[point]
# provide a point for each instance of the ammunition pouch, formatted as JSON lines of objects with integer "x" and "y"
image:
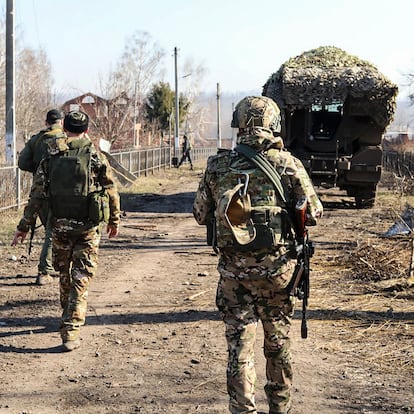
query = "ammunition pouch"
{"x": 273, "y": 229}
{"x": 265, "y": 238}
{"x": 99, "y": 207}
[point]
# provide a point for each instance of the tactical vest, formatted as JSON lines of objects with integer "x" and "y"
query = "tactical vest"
{"x": 37, "y": 148}
{"x": 268, "y": 214}
{"x": 74, "y": 192}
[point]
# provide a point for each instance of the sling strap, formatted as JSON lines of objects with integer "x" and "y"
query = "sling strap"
{"x": 260, "y": 161}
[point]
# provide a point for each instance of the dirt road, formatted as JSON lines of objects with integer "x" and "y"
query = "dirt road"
{"x": 154, "y": 343}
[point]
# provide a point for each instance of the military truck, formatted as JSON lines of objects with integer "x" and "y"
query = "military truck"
{"x": 335, "y": 108}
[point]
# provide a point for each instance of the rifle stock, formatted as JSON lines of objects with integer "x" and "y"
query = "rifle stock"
{"x": 300, "y": 219}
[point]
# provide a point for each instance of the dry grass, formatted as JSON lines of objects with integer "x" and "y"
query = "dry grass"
{"x": 360, "y": 293}
{"x": 161, "y": 180}
{"x": 377, "y": 261}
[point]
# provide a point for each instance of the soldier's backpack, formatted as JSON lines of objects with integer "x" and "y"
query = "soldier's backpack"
{"x": 73, "y": 187}
{"x": 250, "y": 213}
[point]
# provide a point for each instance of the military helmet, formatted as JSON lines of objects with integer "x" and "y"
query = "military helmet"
{"x": 257, "y": 111}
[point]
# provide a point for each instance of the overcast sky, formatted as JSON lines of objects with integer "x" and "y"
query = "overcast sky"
{"x": 239, "y": 42}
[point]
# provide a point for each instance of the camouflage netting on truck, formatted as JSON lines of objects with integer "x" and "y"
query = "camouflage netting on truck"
{"x": 328, "y": 74}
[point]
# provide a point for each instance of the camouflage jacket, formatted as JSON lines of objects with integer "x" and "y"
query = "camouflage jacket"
{"x": 295, "y": 180}
{"x": 38, "y": 192}
{"x": 37, "y": 148}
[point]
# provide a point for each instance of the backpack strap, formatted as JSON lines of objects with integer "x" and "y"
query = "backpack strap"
{"x": 261, "y": 162}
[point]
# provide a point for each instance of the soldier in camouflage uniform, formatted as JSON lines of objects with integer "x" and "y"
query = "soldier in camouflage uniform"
{"x": 76, "y": 227}
{"x": 255, "y": 242}
{"x": 29, "y": 159}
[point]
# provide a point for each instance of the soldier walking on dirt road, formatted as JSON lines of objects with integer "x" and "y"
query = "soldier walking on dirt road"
{"x": 29, "y": 159}
{"x": 248, "y": 216}
{"x": 81, "y": 192}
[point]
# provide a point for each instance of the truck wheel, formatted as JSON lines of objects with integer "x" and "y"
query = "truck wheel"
{"x": 365, "y": 200}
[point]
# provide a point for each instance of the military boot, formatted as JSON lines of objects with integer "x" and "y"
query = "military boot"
{"x": 43, "y": 279}
{"x": 70, "y": 339}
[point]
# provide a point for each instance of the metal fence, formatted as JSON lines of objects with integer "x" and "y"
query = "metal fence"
{"x": 140, "y": 162}
{"x": 14, "y": 187}
{"x": 15, "y": 184}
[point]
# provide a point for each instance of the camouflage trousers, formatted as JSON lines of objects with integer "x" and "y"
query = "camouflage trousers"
{"x": 242, "y": 303}
{"x": 75, "y": 256}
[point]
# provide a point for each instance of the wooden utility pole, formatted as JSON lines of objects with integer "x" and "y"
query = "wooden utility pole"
{"x": 177, "y": 107}
{"x": 10, "y": 89}
{"x": 218, "y": 117}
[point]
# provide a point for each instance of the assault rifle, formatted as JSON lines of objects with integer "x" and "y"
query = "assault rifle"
{"x": 299, "y": 284}
{"x": 32, "y": 232}
{"x": 33, "y": 228}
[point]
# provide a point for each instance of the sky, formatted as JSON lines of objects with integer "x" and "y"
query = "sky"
{"x": 240, "y": 43}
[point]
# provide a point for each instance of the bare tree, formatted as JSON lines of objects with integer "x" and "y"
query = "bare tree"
{"x": 33, "y": 91}
{"x": 125, "y": 87}
{"x": 140, "y": 66}
{"x": 403, "y": 118}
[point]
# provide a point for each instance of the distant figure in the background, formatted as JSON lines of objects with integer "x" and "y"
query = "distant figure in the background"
{"x": 29, "y": 159}
{"x": 186, "y": 152}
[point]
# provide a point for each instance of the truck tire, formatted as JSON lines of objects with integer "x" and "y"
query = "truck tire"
{"x": 365, "y": 198}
